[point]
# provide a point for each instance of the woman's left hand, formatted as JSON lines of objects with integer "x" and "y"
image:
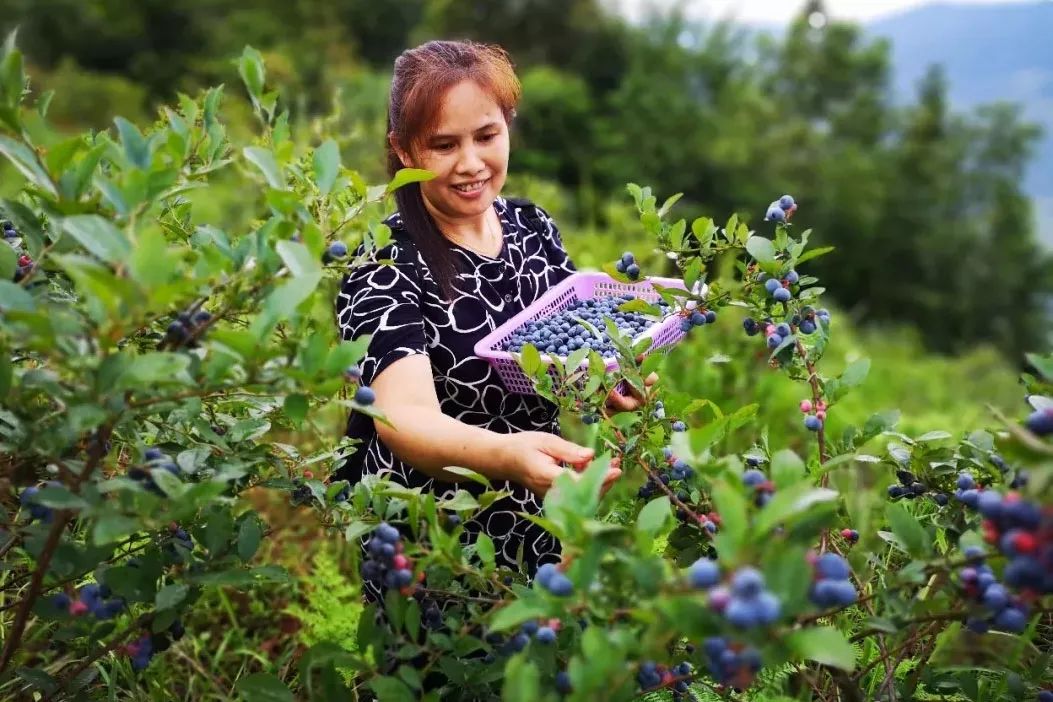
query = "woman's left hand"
{"x": 616, "y": 402}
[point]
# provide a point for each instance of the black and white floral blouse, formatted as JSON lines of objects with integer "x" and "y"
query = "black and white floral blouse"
{"x": 400, "y": 305}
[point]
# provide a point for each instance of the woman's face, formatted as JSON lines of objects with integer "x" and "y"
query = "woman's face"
{"x": 469, "y": 148}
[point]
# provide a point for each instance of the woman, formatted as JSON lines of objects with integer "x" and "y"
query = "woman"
{"x": 465, "y": 261}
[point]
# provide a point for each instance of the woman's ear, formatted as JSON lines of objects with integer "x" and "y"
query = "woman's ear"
{"x": 404, "y": 157}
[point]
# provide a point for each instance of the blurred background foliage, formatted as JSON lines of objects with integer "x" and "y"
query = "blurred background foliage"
{"x": 937, "y": 274}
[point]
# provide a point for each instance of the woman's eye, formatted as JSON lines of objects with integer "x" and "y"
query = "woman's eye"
{"x": 488, "y": 137}
{"x": 443, "y": 147}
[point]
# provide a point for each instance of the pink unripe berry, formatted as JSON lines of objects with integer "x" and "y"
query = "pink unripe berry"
{"x": 719, "y": 597}
{"x": 400, "y": 562}
{"x": 806, "y": 406}
{"x": 769, "y": 330}
{"x": 77, "y": 608}
{"x": 821, "y": 406}
{"x": 821, "y": 415}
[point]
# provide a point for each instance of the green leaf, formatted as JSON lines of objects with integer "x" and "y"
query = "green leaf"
{"x": 654, "y": 515}
{"x": 14, "y": 297}
{"x": 484, "y": 547}
{"x": 468, "y": 473}
{"x": 517, "y": 612}
{"x": 249, "y": 536}
{"x": 27, "y": 164}
{"x": 8, "y": 262}
{"x": 814, "y": 253}
{"x": 136, "y": 148}
{"x": 252, "y": 72}
{"x": 824, "y": 645}
{"x": 264, "y": 160}
{"x": 1044, "y": 365}
{"x": 155, "y": 367}
{"x": 112, "y": 527}
{"x": 790, "y": 502}
{"x": 761, "y": 249}
{"x": 908, "y": 530}
{"x": 326, "y": 165}
{"x": 150, "y": 263}
{"x": 99, "y": 237}
{"x": 171, "y": 596}
{"x": 297, "y": 258}
{"x": 296, "y": 407}
{"x": 731, "y": 506}
{"x": 407, "y": 176}
{"x": 263, "y": 687}
{"x": 522, "y": 681}
{"x": 391, "y": 690}
{"x": 283, "y": 301}
{"x": 856, "y": 373}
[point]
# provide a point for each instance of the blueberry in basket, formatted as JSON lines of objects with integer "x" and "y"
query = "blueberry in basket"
{"x": 563, "y": 333}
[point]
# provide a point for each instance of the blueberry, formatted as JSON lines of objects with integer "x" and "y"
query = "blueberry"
{"x": 807, "y": 327}
{"x": 774, "y": 340}
{"x": 771, "y": 285}
{"x": 768, "y": 608}
{"x": 546, "y": 635}
{"x": 704, "y": 574}
{"x": 833, "y": 567}
{"x": 679, "y": 426}
{"x": 976, "y": 625}
{"x": 1040, "y": 422}
{"x": 813, "y": 423}
{"x": 775, "y": 214}
{"x": 337, "y": 249}
{"x": 620, "y": 267}
{"x": 1011, "y": 619}
{"x": 364, "y": 395}
{"x": 965, "y": 481}
{"x": 753, "y": 477}
{"x": 792, "y": 278}
{"x": 995, "y": 597}
{"x": 970, "y": 497}
{"x": 711, "y": 316}
{"x": 786, "y": 202}
{"x": 529, "y": 628}
{"x": 782, "y": 295}
{"x": 742, "y": 613}
{"x": 563, "y": 682}
{"x": 747, "y": 582}
{"x": 387, "y": 533}
{"x": 560, "y": 585}
{"x": 627, "y": 258}
{"x": 783, "y": 330}
{"x": 941, "y": 498}
{"x": 353, "y": 373}
{"x": 633, "y": 271}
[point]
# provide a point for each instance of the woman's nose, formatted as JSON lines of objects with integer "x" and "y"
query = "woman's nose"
{"x": 470, "y": 162}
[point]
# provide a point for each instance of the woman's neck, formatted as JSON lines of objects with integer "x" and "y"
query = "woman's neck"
{"x": 472, "y": 230}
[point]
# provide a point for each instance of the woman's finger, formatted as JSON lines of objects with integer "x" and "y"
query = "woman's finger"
{"x": 621, "y": 403}
{"x": 651, "y": 379}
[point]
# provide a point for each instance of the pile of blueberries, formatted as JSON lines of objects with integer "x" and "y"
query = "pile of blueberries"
{"x": 386, "y": 565}
{"x": 25, "y": 263}
{"x": 763, "y": 489}
{"x": 552, "y": 579}
{"x": 651, "y": 676}
{"x": 28, "y": 499}
{"x": 148, "y": 645}
{"x": 832, "y": 586}
{"x": 910, "y": 487}
{"x": 745, "y": 602}
{"x": 93, "y": 599}
{"x": 627, "y": 265}
{"x": 734, "y": 665}
{"x": 561, "y": 334}
{"x": 155, "y": 458}
{"x": 185, "y": 329}
{"x": 1020, "y": 529}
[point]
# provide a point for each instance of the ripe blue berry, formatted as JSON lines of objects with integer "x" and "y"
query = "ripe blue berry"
{"x": 704, "y": 574}
{"x": 792, "y": 278}
{"x": 620, "y": 267}
{"x": 783, "y": 330}
{"x": 1040, "y": 422}
{"x": 807, "y": 327}
{"x": 628, "y": 258}
{"x": 337, "y": 249}
{"x": 965, "y": 481}
{"x": 771, "y": 285}
{"x": 832, "y": 566}
{"x": 563, "y": 682}
{"x": 1011, "y": 619}
{"x": 633, "y": 271}
{"x": 775, "y": 214}
{"x": 813, "y": 423}
{"x": 679, "y": 426}
{"x": 364, "y": 395}
{"x": 747, "y": 582}
{"x": 711, "y": 316}
{"x": 546, "y": 635}
{"x": 774, "y": 340}
{"x": 753, "y": 477}
{"x": 353, "y": 373}
{"x": 786, "y": 202}
{"x": 387, "y": 533}
{"x": 782, "y": 295}
{"x": 742, "y": 613}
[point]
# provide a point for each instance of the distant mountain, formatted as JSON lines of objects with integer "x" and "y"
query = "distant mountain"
{"x": 989, "y": 52}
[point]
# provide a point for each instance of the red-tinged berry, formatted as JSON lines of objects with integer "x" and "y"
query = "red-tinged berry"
{"x": 820, "y": 406}
{"x": 78, "y": 608}
{"x": 24, "y": 260}
{"x": 1024, "y": 542}
{"x": 400, "y": 562}
{"x": 820, "y": 415}
{"x": 308, "y": 475}
{"x": 806, "y": 406}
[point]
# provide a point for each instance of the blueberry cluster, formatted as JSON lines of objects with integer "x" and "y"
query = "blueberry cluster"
{"x": 763, "y": 489}
{"x": 386, "y": 565}
{"x": 561, "y": 333}
{"x": 651, "y": 676}
{"x": 813, "y": 422}
{"x": 627, "y": 265}
{"x": 1022, "y": 531}
{"x": 778, "y": 288}
{"x": 179, "y": 547}
{"x": 93, "y": 599}
{"x": 155, "y": 459}
{"x": 745, "y": 603}
{"x": 144, "y": 648}
{"x": 909, "y": 486}
{"x": 186, "y": 328}
{"x": 551, "y": 578}
{"x": 28, "y": 499}
{"x": 25, "y": 263}
{"x": 301, "y": 494}
{"x": 831, "y": 586}
{"x": 334, "y": 252}
{"x": 780, "y": 210}
{"x": 1041, "y": 421}
{"x": 1002, "y": 610}
{"x": 732, "y": 664}
{"x": 697, "y": 318}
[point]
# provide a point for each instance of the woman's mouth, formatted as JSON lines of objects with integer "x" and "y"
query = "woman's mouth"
{"x": 470, "y": 188}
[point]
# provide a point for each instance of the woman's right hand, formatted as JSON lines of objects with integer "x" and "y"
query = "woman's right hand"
{"x": 532, "y": 459}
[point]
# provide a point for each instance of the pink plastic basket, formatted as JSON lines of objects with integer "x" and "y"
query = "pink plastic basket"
{"x": 577, "y": 287}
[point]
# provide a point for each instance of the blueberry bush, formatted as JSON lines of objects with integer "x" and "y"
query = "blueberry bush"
{"x": 154, "y": 368}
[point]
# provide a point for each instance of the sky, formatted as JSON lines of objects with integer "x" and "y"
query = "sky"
{"x": 781, "y": 11}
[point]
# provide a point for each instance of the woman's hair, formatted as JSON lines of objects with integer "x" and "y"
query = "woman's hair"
{"x": 423, "y": 76}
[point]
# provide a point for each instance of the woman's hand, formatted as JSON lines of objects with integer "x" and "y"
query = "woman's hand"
{"x": 532, "y": 459}
{"x": 616, "y": 402}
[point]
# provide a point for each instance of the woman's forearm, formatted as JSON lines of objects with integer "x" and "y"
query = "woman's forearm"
{"x": 429, "y": 440}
